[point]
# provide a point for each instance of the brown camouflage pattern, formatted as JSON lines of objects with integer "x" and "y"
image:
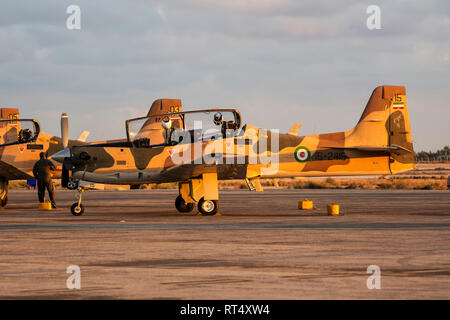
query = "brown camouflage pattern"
{"x": 17, "y": 161}
{"x": 379, "y": 144}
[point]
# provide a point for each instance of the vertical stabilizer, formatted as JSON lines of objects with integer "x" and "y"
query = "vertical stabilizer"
{"x": 385, "y": 124}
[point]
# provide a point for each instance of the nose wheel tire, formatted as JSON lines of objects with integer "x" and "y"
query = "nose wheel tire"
{"x": 182, "y": 206}
{"x": 77, "y": 210}
{"x": 208, "y": 207}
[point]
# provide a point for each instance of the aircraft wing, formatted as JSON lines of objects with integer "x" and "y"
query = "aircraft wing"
{"x": 184, "y": 172}
{"x": 192, "y": 170}
{"x": 10, "y": 172}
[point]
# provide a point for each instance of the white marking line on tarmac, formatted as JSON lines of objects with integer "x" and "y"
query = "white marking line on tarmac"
{"x": 235, "y": 261}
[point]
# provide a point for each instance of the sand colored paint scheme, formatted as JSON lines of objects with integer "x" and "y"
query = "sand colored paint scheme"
{"x": 21, "y": 142}
{"x": 168, "y": 148}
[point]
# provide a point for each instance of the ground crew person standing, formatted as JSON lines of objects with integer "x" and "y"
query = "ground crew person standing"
{"x": 42, "y": 172}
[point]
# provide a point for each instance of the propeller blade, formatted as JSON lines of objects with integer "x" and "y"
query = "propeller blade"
{"x": 65, "y": 130}
{"x": 64, "y": 157}
{"x": 65, "y": 174}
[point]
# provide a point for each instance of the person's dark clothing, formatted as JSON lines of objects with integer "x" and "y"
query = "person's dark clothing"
{"x": 42, "y": 172}
{"x": 42, "y": 185}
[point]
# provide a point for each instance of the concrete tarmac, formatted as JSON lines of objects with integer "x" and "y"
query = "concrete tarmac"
{"x": 135, "y": 245}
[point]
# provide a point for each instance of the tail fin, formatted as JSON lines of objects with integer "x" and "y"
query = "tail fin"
{"x": 9, "y": 130}
{"x": 385, "y": 124}
{"x": 9, "y": 113}
{"x": 161, "y": 106}
{"x": 152, "y": 129}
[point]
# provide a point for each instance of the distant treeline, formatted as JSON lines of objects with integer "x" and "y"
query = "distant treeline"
{"x": 440, "y": 155}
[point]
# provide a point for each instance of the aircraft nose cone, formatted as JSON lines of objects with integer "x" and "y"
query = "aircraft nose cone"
{"x": 60, "y": 155}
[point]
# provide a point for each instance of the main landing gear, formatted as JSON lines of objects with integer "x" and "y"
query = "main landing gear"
{"x": 3, "y": 193}
{"x": 202, "y": 191}
{"x": 206, "y": 207}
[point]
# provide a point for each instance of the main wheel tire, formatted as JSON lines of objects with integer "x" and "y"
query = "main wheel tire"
{"x": 77, "y": 210}
{"x": 72, "y": 184}
{"x": 208, "y": 207}
{"x": 182, "y": 206}
{"x": 4, "y": 202}
{"x": 4, "y": 193}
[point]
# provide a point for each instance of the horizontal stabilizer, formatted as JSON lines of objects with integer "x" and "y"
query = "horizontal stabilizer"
{"x": 295, "y": 129}
{"x": 83, "y": 136}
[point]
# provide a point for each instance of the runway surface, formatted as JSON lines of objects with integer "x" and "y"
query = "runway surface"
{"x": 135, "y": 245}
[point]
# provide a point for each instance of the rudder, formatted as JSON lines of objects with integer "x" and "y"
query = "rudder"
{"x": 399, "y": 129}
{"x": 385, "y": 124}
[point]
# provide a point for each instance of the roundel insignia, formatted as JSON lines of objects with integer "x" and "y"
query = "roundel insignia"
{"x": 302, "y": 154}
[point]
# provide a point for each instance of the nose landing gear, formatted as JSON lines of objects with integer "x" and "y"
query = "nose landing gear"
{"x": 77, "y": 209}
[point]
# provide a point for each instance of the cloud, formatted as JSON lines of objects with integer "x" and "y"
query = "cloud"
{"x": 252, "y": 6}
{"x": 130, "y": 112}
{"x": 308, "y": 27}
{"x": 160, "y": 10}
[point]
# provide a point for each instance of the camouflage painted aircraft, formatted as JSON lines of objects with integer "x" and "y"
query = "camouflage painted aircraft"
{"x": 21, "y": 142}
{"x": 198, "y": 148}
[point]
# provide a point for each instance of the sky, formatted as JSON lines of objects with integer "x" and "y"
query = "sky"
{"x": 278, "y": 61}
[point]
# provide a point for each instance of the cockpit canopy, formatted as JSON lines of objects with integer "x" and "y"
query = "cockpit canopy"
{"x": 18, "y": 131}
{"x": 183, "y": 127}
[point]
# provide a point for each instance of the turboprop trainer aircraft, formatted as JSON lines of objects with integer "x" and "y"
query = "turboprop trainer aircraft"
{"x": 198, "y": 148}
{"x": 21, "y": 142}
